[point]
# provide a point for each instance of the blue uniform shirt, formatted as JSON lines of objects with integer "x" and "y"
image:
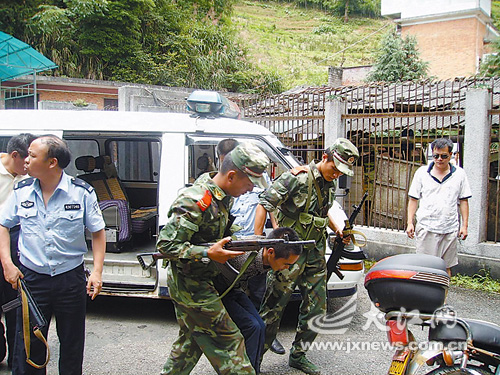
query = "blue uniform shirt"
{"x": 245, "y": 207}
{"x": 52, "y": 238}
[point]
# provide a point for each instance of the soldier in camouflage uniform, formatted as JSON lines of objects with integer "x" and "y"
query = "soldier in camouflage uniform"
{"x": 302, "y": 198}
{"x": 200, "y": 215}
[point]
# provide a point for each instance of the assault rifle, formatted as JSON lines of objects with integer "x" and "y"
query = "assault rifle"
{"x": 38, "y": 318}
{"x": 338, "y": 250}
{"x": 253, "y": 244}
{"x": 37, "y": 323}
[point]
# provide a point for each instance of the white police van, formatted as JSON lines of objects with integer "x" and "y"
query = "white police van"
{"x": 137, "y": 163}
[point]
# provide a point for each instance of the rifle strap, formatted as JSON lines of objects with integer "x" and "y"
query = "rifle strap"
{"x": 318, "y": 190}
{"x": 310, "y": 178}
{"x": 351, "y": 233}
{"x": 222, "y": 229}
{"x": 348, "y": 231}
{"x": 26, "y": 331}
{"x": 249, "y": 260}
{"x": 310, "y": 181}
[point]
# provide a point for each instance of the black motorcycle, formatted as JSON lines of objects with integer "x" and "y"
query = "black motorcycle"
{"x": 411, "y": 290}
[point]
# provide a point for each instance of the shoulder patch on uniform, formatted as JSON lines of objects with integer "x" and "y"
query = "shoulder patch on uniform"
{"x": 205, "y": 201}
{"x": 83, "y": 184}
{"x": 26, "y": 182}
{"x": 27, "y": 204}
{"x": 295, "y": 171}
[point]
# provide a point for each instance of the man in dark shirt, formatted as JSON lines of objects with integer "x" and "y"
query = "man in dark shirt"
{"x": 237, "y": 303}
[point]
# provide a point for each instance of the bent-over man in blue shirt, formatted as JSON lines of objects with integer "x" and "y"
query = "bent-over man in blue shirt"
{"x": 53, "y": 210}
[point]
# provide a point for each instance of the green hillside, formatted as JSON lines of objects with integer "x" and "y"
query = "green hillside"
{"x": 495, "y": 13}
{"x": 300, "y": 44}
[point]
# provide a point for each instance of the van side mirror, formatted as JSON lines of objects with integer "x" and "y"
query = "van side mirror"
{"x": 344, "y": 182}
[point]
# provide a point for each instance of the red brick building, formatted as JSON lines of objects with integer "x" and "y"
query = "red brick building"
{"x": 453, "y": 36}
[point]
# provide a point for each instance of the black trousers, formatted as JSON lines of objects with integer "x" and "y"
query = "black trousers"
{"x": 64, "y": 297}
{"x": 257, "y": 289}
{"x": 7, "y": 293}
{"x": 252, "y": 327}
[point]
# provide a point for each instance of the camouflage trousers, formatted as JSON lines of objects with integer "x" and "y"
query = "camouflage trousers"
{"x": 204, "y": 329}
{"x": 309, "y": 275}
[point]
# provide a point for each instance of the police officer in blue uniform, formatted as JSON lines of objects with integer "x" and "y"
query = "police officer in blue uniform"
{"x": 53, "y": 210}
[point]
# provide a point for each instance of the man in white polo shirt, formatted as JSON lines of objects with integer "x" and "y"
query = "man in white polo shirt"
{"x": 12, "y": 164}
{"x": 441, "y": 192}
{"x": 11, "y": 171}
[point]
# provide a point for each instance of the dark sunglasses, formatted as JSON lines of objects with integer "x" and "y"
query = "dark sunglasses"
{"x": 442, "y": 156}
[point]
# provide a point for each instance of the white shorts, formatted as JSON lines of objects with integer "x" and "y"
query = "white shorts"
{"x": 437, "y": 244}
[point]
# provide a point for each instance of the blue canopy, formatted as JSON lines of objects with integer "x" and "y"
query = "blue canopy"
{"x": 18, "y": 58}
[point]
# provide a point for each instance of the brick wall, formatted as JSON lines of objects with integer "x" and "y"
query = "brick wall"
{"x": 452, "y": 48}
{"x": 62, "y": 96}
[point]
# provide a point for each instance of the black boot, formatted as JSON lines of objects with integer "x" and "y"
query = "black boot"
{"x": 276, "y": 347}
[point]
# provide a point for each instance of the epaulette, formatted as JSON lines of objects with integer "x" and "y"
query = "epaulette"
{"x": 83, "y": 184}
{"x": 303, "y": 168}
{"x": 205, "y": 201}
{"x": 26, "y": 182}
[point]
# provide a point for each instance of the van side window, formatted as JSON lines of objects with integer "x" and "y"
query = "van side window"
{"x": 201, "y": 160}
{"x": 135, "y": 160}
{"x": 80, "y": 147}
{"x": 3, "y": 143}
{"x": 202, "y": 155}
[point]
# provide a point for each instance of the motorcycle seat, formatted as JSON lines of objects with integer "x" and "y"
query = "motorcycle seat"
{"x": 485, "y": 335}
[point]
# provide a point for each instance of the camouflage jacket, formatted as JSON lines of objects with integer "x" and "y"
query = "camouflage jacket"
{"x": 288, "y": 194}
{"x": 198, "y": 215}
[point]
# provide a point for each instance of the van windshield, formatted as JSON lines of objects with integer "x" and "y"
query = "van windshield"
{"x": 202, "y": 155}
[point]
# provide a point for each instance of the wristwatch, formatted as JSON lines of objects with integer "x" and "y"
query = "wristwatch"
{"x": 204, "y": 256}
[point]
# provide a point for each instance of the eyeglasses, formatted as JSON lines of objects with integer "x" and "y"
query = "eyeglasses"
{"x": 442, "y": 156}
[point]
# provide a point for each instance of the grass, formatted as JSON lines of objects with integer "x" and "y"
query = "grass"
{"x": 300, "y": 44}
{"x": 481, "y": 281}
{"x": 369, "y": 264}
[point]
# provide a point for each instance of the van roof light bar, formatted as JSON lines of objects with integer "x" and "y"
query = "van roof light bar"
{"x": 211, "y": 104}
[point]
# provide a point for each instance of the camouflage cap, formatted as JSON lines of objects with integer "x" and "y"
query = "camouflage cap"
{"x": 252, "y": 161}
{"x": 345, "y": 155}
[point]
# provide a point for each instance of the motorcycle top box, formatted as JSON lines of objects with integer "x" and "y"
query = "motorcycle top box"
{"x": 410, "y": 281}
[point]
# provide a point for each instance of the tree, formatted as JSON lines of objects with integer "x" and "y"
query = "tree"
{"x": 13, "y": 15}
{"x": 490, "y": 66}
{"x": 162, "y": 42}
{"x": 364, "y": 8}
{"x": 369, "y": 8}
{"x": 398, "y": 60}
